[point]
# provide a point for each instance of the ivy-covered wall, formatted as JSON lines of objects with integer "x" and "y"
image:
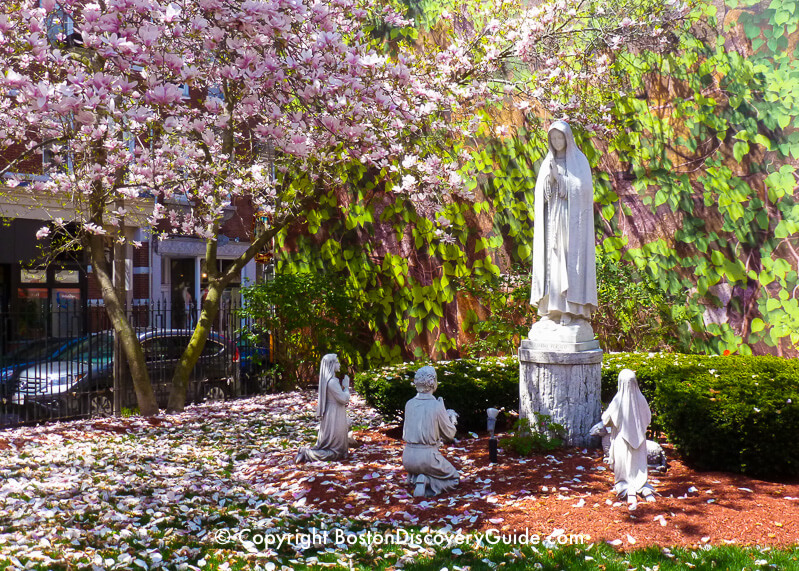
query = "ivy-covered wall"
{"x": 705, "y": 175}
{"x": 699, "y": 190}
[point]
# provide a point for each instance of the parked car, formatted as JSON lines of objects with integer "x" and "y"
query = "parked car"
{"x": 27, "y": 355}
{"x": 31, "y": 351}
{"x": 78, "y": 381}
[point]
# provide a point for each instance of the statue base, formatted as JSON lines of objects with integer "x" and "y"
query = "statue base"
{"x": 562, "y": 380}
{"x": 577, "y": 330}
{"x": 555, "y": 347}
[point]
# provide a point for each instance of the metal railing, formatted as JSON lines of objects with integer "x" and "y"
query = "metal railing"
{"x": 59, "y": 363}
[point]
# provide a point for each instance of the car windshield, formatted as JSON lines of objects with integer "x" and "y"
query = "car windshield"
{"x": 97, "y": 348}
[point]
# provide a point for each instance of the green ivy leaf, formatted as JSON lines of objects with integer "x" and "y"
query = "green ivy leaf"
{"x": 739, "y": 150}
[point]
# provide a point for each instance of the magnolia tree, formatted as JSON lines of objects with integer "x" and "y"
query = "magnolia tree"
{"x": 148, "y": 104}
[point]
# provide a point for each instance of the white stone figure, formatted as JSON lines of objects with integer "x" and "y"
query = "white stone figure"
{"x": 332, "y": 441}
{"x": 656, "y": 460}
{"x": 427, "y": 423}
{"x": 628, "y": 417}
{"x": 564, "y": 260}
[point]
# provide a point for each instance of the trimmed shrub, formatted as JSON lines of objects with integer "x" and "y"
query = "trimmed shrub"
{"x": 468, "y": 386}
{"x": 741, "y": 416}
{"x": 649, "y": 369}
{"x": 736, "y": 413}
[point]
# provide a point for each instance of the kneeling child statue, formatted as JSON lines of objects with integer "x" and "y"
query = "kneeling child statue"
{"x": 628, "y": 417}
{"x": 427, "y": 423}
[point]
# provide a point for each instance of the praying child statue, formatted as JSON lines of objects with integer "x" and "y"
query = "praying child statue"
{"x": 332, "y": 442}
{"x": 628, "y": 417}
{"x": 427, "y": 423}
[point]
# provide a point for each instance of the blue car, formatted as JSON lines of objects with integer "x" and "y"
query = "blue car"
{"x": 79, "y": 379}
{"x": 24, "y": 357}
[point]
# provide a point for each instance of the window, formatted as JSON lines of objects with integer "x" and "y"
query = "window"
{"x": 61, "y": 28}
{"x": 222, "y": 267}
{"x": 157, "y": 349}
{"x": 177, "y": 345}
{"x": 33, "y": 276}
{"x": 215, "y": 92}
{"x": 49, "y": 301}
{"x": 55, "y": 158}
{"x": 67, "y": 276}
{"x": 98, "y": 348}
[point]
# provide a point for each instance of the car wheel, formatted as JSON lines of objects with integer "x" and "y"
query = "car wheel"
{"x": 214, "y": 393}
{"x": 100, "y": 405}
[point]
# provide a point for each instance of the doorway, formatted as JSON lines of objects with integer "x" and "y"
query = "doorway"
{"x": 183, "y": 288}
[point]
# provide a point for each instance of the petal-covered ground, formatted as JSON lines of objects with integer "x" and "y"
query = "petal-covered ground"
{"x": 217, "y": 483}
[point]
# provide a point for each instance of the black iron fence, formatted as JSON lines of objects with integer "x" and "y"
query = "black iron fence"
{"x": 62, "y": 363}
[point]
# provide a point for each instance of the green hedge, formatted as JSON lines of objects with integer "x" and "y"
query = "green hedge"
{"x": 736, "y": 413}
{"x": 468, "y": 386}
{"x": 649, "y": 368}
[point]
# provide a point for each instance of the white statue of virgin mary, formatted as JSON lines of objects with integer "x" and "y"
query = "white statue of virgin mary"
{"x": 564, "y": 260}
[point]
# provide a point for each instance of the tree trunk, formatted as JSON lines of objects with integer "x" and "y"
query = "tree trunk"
{"x": 210, "y": 308}
{"x": 180, "y": 378}
{"x": 122, "y": 378}
{"x": 125, "y": 335}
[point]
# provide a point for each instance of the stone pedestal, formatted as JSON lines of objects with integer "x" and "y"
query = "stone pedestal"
{"x": 564, "y": 381}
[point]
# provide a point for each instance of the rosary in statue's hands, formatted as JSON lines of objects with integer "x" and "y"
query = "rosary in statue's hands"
{"x": 560, "y": 180}
{"x": 551, "y": 185}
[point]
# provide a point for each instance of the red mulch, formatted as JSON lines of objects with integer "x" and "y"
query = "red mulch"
{"x": 567, "y": 490}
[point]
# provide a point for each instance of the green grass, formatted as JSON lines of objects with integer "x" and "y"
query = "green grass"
{"x": 599, "y": 557}
{"x": 507, "y": 557}
{"x": 604, "y": 557}
{"x": 363, "y": 555}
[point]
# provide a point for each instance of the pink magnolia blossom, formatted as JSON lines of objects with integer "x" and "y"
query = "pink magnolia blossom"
{"x": 303, "y": 77}
{"x": 165, "y": 94}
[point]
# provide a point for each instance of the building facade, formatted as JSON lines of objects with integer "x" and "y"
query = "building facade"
{"x": 41, "y": 294}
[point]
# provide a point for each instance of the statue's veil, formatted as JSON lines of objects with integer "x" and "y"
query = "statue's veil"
{"x": 326, "y": 370}
{"x": 581, "y": 271}
{"x": 629, "y": 410}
